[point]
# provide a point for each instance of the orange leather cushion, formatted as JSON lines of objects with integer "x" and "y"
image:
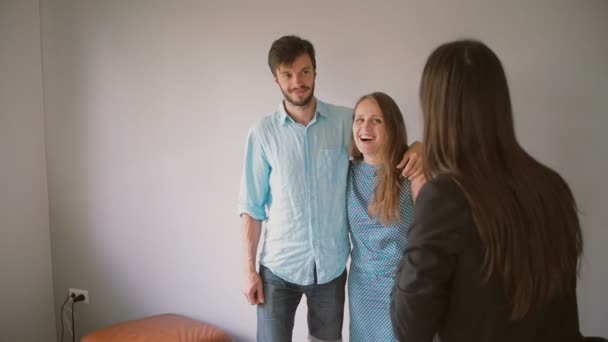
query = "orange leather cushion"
{"x": 165, "y": 328}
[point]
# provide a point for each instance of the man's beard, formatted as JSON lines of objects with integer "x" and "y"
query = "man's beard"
{"x": 305, "y": 101}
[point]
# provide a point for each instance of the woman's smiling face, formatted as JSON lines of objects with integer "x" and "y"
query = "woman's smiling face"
{"x": 369, "y": 130}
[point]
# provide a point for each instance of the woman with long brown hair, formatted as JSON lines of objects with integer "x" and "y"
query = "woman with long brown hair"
{"x": 380, "y": 206}
{"x": 495, "y": 245}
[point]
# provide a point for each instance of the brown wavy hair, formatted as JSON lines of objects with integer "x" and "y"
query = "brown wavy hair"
{"x": 385, "y": 204}
{"x": 286, "y": 49}
{"x": 524, "y": 211}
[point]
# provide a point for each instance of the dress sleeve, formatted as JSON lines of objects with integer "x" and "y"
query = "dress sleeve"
{"x": 420, "y": 296}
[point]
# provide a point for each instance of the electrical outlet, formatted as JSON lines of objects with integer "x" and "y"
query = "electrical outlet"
{"x": 77, "y": 292}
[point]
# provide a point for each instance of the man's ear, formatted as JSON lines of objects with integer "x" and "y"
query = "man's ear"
{"x": 276, "y": 80}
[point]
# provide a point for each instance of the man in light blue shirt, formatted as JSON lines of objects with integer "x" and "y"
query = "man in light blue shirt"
{"x": 294, "y": 178}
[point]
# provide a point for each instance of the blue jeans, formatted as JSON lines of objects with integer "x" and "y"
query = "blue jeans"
{"x": 281, "y": 298}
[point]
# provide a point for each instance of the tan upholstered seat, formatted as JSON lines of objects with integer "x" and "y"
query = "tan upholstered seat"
{"x": 162, "y": 328}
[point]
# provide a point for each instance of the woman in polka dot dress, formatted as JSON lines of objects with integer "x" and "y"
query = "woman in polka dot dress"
{"x": 380, "y": 208}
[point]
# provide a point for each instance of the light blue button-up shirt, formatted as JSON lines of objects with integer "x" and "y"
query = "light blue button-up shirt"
{"x": 294, "y": 179}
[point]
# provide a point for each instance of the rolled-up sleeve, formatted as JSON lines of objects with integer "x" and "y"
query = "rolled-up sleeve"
{"x": 420, "y": 296}
{"x": 253, "y": 194}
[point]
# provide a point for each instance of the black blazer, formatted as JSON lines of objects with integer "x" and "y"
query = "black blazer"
{"x": 439, "y": 291}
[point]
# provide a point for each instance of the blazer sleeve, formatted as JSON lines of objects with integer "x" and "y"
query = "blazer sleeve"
{"x": 420, "y": 296}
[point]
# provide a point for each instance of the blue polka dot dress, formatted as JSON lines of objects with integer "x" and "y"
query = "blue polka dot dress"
{"x": 376, "y": 252}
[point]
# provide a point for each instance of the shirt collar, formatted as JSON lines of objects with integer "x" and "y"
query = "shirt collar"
{"x": 284, "y": 117}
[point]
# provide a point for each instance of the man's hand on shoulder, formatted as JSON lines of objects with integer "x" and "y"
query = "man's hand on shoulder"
{"x": 412, "y": 162}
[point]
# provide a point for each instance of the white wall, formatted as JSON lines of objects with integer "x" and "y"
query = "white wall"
{"x": 26, "y": 295}
{"x": 148, "y": 104}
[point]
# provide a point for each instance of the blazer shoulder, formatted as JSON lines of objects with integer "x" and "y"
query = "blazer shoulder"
{"x": 442, "y": 216}
{"x": 442, "y": 189}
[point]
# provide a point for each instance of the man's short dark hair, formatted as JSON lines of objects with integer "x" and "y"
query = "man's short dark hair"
{"x": 286, "y": 49}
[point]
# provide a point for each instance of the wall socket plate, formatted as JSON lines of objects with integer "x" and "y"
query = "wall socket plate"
{"x": 78, "y": 292}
